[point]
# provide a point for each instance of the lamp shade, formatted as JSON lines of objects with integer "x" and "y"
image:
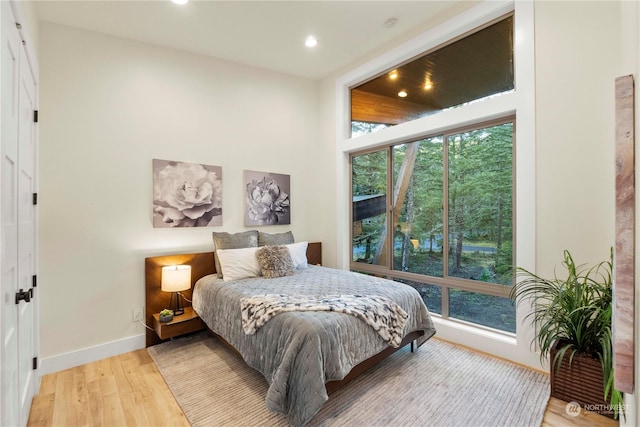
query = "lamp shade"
{"x": 176, "y": 278}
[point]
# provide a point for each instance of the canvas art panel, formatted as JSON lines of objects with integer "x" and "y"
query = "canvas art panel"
{"x": 624, "y": 259}
{"x": 267, "y": 198}
{"x": 186, "y": 194}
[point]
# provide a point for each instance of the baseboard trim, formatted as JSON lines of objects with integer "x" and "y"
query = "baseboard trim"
{"x": 90, "y": 354}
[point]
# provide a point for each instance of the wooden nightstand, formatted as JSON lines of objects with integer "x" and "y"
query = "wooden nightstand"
{"x": 180, "y": 325}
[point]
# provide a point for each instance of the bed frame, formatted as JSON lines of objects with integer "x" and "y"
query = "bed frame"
{"x": 202, "y": 264}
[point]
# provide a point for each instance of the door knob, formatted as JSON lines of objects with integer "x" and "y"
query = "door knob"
{"x": 23, "y": 295}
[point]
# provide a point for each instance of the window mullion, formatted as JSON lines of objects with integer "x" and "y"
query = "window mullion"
{"x": 390, "y": 208}
{"x": 445, "y": 207}
{"x": 445, "y": 302}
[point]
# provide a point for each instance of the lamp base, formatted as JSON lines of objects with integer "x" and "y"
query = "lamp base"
{"x": 176, "y": 304}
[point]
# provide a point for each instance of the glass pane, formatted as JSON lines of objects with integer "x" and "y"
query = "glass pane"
{"x": 431, "y": 294}
{"x": 475, "y": 67}
{"x": 362, "y": 128}
{"x": 369, "y": 189}
{"x": 480, "y": 204}
{"x": 417, "y": 168}
{"x": 488, "y": 310}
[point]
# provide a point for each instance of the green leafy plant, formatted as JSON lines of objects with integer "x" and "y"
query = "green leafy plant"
{"x": 575, "y": 312}
{"x": 166, "y": 312}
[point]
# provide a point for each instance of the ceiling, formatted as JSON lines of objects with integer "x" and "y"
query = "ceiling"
{"x": 475, "y": 66}
{"x": 265, "y": 34}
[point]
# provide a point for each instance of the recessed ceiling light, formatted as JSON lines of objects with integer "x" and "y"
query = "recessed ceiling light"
{"x": 180, "y": 1}
{"x": 393, "y": 75}
{"x": 402, "y": 94}
{"x": 310, "y": 41}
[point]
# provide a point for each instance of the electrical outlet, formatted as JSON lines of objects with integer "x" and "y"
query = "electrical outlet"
{"x": 138, "y": 314}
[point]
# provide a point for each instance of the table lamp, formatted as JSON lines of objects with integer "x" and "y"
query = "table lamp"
{"x": 176, "y": 278}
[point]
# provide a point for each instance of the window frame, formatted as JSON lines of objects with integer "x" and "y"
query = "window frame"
{"x": 520, "y": 102}
{"x": 446, "y": 282}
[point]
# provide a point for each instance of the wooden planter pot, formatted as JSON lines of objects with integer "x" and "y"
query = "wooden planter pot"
{"x": 581, "y": 382}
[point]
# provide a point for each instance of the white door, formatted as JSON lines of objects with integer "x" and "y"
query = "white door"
{"x": 17, "y": 215}
{"x": 26, "y": 238}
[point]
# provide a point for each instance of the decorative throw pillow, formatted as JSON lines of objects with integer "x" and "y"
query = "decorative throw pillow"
{"x": 238, "y": 263}
{"x": 266, "y": 239}
{"x": 222, "y": 240}
{"x": 275, "y": 261}
{"x": 298, "y": 252}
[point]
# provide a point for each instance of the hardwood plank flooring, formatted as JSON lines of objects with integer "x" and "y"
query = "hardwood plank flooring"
{"x": 124, "y": 390}
{"x": 128, "y": 390}
{"x": 556, "y": 416}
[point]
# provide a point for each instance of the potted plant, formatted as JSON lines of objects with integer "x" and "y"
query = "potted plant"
{"x": 166, "y": 315}
{"x": 572, "y": 317}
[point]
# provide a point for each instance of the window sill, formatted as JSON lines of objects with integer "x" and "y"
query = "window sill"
{"x": 501, "y": 345}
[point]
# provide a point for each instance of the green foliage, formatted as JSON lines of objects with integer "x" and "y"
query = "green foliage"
{"x": 575, "y": 312}
{"x": 166, "y": 312}
{"x": 479, "y": 165}
{"x": 369, "y": 174}
{"x": 486, "y": 275}
{"x": 504, "y": 259}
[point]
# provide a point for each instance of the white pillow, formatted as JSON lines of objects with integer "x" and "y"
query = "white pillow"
{"x": 238, "y": 263}
{"x": 298, "y": 253}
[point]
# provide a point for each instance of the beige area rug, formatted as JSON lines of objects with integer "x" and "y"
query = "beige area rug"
{"x": 439, "y": 385}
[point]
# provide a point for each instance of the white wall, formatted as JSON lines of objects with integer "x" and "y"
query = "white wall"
{"x": 110, "y": 106}
{"x": 576, "y": 67}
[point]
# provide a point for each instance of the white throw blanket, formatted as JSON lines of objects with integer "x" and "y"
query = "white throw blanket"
{"x": 383, "y": 315}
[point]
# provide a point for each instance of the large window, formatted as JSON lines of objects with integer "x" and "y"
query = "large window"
{"x": 436, "y": 211}
{"x": 447, "y": 230}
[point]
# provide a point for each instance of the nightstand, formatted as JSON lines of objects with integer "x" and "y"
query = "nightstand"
{"x": 180, "y": 325}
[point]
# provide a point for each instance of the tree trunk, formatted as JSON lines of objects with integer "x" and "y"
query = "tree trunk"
{"x": 399, "y": 194}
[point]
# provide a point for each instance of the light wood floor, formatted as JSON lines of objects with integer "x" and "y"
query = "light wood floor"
{"x": 128, "y": 390}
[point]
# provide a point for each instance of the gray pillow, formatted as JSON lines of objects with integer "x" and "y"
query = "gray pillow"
{"x": 222, "y": 240}
{"x": 266, "y": 239}
{"x": 275, "y": 261}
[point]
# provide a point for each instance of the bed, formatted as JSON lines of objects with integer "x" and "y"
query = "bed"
{"x": 304, "y": 355}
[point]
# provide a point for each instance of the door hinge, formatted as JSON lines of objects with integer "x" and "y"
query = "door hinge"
{"x": 34, "y": 281}
{"x": 35, "y": 363}
{"x": 35, "y": 116}
{"x": 35, "y": 198}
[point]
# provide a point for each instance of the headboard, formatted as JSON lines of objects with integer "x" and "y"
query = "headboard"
{"x": 201, "y": 264}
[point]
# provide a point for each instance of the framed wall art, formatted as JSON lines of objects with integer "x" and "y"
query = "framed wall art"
{"x": 186, "y": 194}
{"x": 267, "y": 198}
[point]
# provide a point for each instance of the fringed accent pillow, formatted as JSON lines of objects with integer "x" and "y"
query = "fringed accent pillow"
{"x": 275, "y": 261}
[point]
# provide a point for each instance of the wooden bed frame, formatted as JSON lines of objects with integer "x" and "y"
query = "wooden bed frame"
{"x": 202, "y": 264}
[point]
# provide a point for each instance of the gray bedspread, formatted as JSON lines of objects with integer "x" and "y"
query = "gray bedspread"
{"x": 298, "y": 352}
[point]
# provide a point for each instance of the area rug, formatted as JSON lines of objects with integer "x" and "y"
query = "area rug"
{"x": 440, "y": 385}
